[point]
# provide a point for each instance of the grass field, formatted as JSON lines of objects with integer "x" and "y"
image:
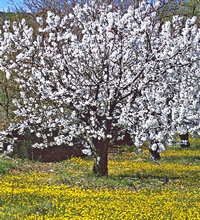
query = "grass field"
{"x": 135, "y": 188}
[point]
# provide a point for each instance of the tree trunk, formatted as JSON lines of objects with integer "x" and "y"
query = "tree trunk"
{"x": 154, "y": 155}
{"x": 154, "y": 151}
{"x": 101, "y": 158}
{"x": 184, "y": 140}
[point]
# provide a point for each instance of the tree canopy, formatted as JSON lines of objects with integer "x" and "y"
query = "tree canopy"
{"x": 97, "y": 73}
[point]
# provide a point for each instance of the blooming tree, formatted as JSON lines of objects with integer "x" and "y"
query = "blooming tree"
{"x": 97, "y": 73}
{"x": 170, "y": 104}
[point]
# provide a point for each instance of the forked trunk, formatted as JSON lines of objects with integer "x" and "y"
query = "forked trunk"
{"x": 101, "y": 158}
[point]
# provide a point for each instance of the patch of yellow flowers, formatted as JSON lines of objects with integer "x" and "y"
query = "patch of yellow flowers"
{"x": 39, "y": 196}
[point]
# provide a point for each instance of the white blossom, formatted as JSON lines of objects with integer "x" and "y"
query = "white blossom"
{"x": 107, "y": 75}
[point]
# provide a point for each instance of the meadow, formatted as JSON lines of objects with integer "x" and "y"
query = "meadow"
{"x": 136, "y": 188}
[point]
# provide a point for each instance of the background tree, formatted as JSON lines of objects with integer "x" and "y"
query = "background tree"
{"x": 187, "y": 9}
{"x": 184, "y": 8}
{"x": 8, "y": 88}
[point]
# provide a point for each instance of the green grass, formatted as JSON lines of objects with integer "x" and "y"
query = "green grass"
{"x": 5, "y": 165}
{"x": 125, "y": 169}
{"x": 70, "y": 190}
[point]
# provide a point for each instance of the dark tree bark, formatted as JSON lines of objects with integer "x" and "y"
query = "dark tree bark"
{"x": 101, "y": 158}
{"x": 184, "y": 140}
{"x": 154, "y": 155}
